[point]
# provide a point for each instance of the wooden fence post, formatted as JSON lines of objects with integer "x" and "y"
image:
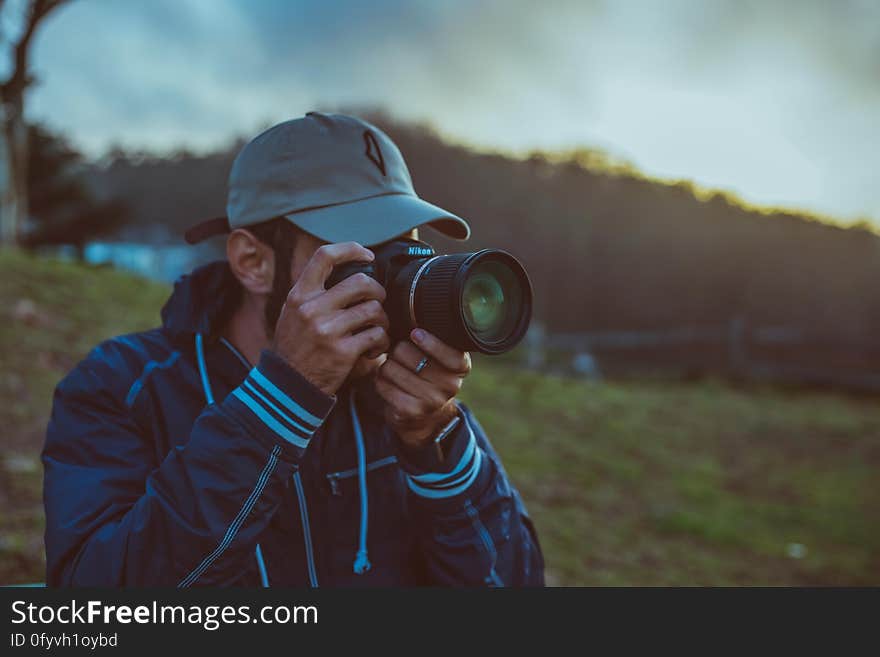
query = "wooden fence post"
{"x": 535, "y": 354}
{"x": 736, "y": 346}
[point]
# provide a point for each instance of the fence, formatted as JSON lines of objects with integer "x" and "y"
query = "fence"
{"x": 776, "y": 353}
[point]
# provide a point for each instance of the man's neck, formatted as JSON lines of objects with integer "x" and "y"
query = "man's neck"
{"x": 246, "y": 330}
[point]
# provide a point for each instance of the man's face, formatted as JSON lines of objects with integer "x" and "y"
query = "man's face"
{"x": 305, "y": 248}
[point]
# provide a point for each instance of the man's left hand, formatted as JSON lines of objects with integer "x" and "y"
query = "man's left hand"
{"x": 421, "y": 404}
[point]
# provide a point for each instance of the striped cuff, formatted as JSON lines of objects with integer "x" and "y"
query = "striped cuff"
{"x": 282, "y": 401}
{"x": 441, "y": 485}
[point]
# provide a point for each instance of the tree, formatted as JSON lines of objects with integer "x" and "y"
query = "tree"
{"x": 63, "y": 209}
{"x": 13, "y": 130}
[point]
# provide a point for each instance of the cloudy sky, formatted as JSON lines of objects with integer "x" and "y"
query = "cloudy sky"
{"x": 778, "y": 101}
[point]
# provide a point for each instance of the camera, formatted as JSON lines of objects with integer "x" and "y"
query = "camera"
{"x": 479, "y": 301}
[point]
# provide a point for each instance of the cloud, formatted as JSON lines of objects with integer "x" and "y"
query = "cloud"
{"x": 778, "y": 101}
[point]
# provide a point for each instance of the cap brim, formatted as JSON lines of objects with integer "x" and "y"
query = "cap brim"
{"x": 378, "y": 219}
{"x": 206, "y": 229}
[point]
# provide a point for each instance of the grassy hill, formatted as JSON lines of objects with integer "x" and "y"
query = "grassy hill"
{"x": 635, "y": 483}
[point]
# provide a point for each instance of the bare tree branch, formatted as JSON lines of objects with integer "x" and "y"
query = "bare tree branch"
{"x": 19, "y": 78}
{"x": 2, "y": 27}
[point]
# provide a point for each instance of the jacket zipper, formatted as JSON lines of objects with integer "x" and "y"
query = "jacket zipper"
{"x": 334, "y": 477}
{"x": 307, "y": 533}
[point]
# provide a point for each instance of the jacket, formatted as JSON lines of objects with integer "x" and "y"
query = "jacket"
{"x": 170, "y": 461}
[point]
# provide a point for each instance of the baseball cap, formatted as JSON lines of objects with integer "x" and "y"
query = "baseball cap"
{"x": 334, "y": 176}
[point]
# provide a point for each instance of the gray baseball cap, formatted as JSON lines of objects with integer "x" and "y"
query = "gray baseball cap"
{"x": 334, "y": 176}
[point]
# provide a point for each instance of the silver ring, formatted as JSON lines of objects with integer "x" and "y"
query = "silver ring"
{"x": 422, "y": 364}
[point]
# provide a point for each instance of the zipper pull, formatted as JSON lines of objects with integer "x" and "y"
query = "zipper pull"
{"x": 334, "y": 484}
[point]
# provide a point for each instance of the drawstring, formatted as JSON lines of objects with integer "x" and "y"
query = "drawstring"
{"x": 362, "y": 561}
{"x": 203, "y": 370}
{"x": 261, "y": 566}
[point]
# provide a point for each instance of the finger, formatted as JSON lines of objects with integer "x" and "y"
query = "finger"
{"x": 410, "y": 356}
{"x": 323, "y": 261}
{"x": 372, "y": 340}
{"x": 353, "y": 289}
{"x": 372, "y": 354}
{"x": 407, "y": 354}
{"x": 403, "y": 406}
{"x": 407, "y": 380}
{"x": 449, "y": 357}
{"x": 367, "y": 313}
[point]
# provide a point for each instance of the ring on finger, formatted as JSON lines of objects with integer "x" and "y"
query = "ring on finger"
{"x": 422, "y": 365}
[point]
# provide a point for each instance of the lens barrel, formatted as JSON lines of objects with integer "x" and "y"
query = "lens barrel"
{"x": 478, "y": 301}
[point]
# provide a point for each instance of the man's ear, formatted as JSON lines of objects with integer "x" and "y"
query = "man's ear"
{"x": 252, "y": 261}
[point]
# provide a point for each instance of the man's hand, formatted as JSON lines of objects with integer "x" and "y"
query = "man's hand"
{"x": 420, "y": 404}
{"x": 322, "y": 333}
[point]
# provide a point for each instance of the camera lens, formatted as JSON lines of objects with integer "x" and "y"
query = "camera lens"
{"x": 491, "y": 301}
{"x": 478, "y": 301}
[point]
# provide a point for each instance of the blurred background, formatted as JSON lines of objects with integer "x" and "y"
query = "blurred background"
{"x": 693, "y": 186}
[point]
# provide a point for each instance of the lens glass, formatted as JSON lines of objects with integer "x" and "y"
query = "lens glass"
{"x": 492, "y": 301}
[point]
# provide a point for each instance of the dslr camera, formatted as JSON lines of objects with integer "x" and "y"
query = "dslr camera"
{"x": 479, "y": 301}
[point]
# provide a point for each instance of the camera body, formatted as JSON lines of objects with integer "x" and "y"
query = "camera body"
{"x": 479, "y": 301}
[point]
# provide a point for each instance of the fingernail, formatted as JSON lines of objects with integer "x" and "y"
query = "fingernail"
{"x": 418, "y": 335}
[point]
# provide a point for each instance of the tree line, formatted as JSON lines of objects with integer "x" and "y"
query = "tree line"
{"x": 606, "y": 247}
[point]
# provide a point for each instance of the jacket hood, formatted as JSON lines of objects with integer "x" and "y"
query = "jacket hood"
{"x": 202, "y": 301}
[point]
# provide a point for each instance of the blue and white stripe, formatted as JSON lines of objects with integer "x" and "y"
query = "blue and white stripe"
{"x": 237, "y": 522}
{"x": 276, "y": 410}
{"x": 450, "y": 484}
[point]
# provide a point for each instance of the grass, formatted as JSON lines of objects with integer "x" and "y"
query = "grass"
{"x": 632, "y": 483}
{"x": 51, "y": 314}
{"x": 690, "y": 483}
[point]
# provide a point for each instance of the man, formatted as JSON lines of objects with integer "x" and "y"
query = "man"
{"x": 268, "y": 433}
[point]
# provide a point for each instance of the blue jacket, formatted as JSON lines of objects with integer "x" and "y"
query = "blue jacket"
{"x": 169, "y": 461}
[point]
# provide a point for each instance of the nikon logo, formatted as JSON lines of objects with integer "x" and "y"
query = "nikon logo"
{"x": 419, "y": 251}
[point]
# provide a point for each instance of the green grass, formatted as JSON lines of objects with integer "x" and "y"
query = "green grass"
{"x": 690, "y": 483}
{"x": 51, "y": 314}
{"x": 635, "y": 483}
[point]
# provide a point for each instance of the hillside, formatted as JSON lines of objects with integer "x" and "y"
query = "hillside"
{"x": 636, "y": 483}
{"x": 607, "y": 248}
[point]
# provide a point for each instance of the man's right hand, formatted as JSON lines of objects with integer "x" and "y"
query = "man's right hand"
{"x": 322, "y": 333}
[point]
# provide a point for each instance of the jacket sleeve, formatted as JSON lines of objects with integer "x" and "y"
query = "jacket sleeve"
{"x": 117, "y": 515}
{"x": 473, "y": 527}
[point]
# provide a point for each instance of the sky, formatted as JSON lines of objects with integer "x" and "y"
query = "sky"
{"x": 777, "y": 101}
